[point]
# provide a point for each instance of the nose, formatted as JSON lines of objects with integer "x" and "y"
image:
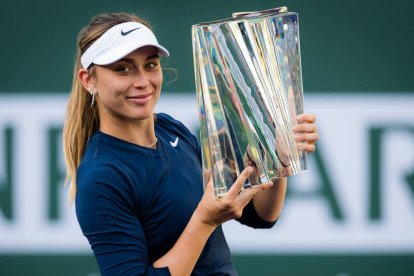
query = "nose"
{"x": 140, "y": 79}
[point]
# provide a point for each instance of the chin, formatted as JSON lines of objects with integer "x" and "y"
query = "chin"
{"x": 142, "y": 115}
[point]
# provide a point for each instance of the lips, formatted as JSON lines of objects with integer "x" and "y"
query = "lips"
{"x": 139, "y": 99}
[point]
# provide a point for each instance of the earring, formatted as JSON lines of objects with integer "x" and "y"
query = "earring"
{"x": 93, "y": 92}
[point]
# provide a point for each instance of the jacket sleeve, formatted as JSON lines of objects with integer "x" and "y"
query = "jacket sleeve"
{"x": 252, "y": 219}
{"x": 106, "y": 214}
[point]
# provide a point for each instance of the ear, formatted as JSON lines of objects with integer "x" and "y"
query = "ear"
{"x": 86, "y": 79}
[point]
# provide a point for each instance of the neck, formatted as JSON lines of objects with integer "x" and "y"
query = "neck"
{"x": 139, "y": 132}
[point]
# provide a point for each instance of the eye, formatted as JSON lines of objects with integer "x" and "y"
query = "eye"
{"x": 123, "y": 69}
{"x": 151, "y": 65}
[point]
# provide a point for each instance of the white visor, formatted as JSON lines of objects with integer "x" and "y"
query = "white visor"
{"x": 119, "y": 41}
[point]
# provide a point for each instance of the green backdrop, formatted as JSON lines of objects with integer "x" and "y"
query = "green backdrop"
{"x": 348, "y": 46}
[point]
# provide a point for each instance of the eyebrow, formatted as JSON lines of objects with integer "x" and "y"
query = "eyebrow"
{"x": 153, "y": 56}
{"x": 130, "y": 60}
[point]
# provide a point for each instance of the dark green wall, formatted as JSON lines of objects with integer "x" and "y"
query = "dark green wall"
{"x": 346, "y": 45}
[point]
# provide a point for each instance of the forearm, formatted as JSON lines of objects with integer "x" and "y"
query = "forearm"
{"x": 269, "y": 203}
{"x": 182, "y": 258}
{"x": 210, "y": 213}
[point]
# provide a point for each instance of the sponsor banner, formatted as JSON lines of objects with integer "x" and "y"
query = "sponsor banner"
{"x": 356, "y": 197}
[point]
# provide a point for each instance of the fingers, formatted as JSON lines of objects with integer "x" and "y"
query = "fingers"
{"x": 307, "y": 137}
{"x": 308, "y": 128}
{"x": 207, "y": 173}
{"x": 306, "y": 118}
{"x": 238, "y": 184}
{"x": 306, "y": 141}
{"x": 306, "y": 133}
{"x": 248, "y": 194}
{"x": 306, "y": 147}
{"x": 237, "y": 191}
{"x": 209, "y": 188}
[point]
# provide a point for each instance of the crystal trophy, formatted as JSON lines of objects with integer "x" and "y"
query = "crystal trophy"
{"x": 249, "y": 92}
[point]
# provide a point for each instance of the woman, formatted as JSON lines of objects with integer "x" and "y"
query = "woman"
{"x": 136, "y": 176}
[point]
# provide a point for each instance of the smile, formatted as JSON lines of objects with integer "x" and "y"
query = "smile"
{"x": 140, "y": 99}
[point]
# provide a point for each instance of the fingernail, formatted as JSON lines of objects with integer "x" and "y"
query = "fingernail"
{"x": 299, "y": 118}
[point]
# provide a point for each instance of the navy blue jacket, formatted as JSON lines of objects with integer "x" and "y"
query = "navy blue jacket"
{"x": 133, "y": 202}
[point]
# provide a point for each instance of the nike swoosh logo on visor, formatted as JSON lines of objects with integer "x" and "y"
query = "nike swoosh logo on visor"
{"x": 127, "y": 32}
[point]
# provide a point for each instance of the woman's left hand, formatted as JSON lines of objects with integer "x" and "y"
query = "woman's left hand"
{"x": 306, "y": 134}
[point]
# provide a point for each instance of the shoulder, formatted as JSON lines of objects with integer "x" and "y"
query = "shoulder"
{"x": 105, "y": 173}
{"x": 104, "y": 185}
{"x": 99, "y": 175}
{"x": 175, "y": 127}
{"x": 170, "y": 123}
{"x": 100, "y": 161}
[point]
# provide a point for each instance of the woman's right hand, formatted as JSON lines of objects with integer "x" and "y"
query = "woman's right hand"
{"x": 215, "y": 211}
{"x": 210, "y": 213}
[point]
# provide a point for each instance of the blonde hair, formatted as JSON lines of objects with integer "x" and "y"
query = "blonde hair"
{"x": 82, "y": 120}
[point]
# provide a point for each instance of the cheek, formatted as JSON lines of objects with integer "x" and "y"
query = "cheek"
{"x": 109, "y": 83}
{"x": 111, "y": 95}
{"x": 115, "y": 86}
{"x": 158, "y": 82}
